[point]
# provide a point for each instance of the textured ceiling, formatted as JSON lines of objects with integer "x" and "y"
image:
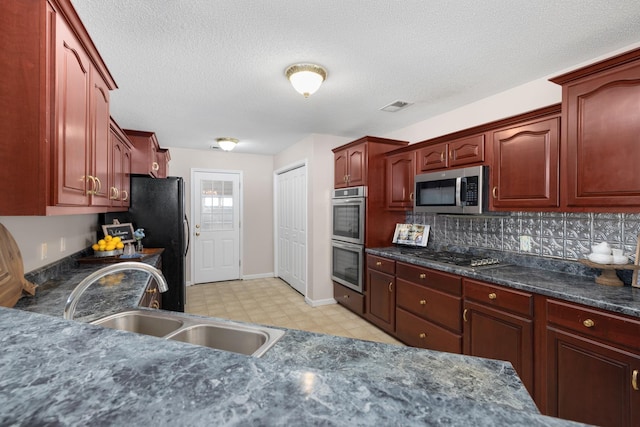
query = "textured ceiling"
{"x": 194, "y": 70}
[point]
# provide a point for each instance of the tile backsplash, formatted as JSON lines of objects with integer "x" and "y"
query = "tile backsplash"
{"x": 548, "y": 234}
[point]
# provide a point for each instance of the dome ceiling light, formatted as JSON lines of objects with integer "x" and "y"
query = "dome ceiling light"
{"x": 306, "y": 78}
{"x": 227, "y": 144}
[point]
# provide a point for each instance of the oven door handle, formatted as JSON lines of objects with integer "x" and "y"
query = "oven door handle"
{"x": 345, "y": 245}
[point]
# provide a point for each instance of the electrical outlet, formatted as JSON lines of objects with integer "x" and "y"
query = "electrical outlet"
{"x": 525, "y": 243}
{"x": 63, "y": 244}
{"x": 43, "y": 251}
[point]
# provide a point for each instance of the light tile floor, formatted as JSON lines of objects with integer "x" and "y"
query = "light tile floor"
{"x": 273, "y": 302}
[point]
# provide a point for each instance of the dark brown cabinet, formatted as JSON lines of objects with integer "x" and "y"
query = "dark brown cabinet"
{"x": 120, "y": 165}
{"x": 592, "y": 366}
{"x": 349, "y": 298}
{"x": 428, "y": 308}
{"x": 144, "y": 157}
{"x": 381, "y": 293}
{"x": 526, "y": 165}
{"x": 350, "y": 166}
{"x": 498, "y": 324}
{"x": 152, "y": 297}
{"x": 55, "y": 126}
{"x": 400, "y": 172}
{"x": 600, "y": 148}
{"x": 458, "y": 152}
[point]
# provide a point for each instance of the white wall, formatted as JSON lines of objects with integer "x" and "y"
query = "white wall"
{"x": 257, "y": 189}
{"x": 30, "y": 232}
{"x": 316, "y": 150}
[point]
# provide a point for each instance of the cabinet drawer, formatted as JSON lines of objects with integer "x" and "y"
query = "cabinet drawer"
{"x": 417, "y": 332}
{"x": 594, "y": 323}
{"x": 430, "y": 304}
{"x": 497, "y": 296}
{"x": 349, "y": 298}
{"x": 434, "y": 279}
{"x": 384, "y": 265}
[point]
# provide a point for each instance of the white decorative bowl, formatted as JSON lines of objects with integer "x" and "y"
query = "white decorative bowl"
{"x": 620, "y": 259}
{"x": 600, "y": 258}
{"x": 601, "y": 248}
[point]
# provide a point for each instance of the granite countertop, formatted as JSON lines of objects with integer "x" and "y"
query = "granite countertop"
{"x": 59, "y": 372}
{"x": 564, "y": 280}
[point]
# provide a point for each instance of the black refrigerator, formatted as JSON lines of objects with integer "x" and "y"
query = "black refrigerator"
{"x": 157, "y": 205}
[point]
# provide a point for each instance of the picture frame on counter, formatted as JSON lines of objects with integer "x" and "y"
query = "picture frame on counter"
{"x": 124, "y": 231}
{"x": 635, "y": 282}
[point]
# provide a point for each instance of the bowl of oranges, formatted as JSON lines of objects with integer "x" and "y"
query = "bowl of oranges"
{"x": 109, "y": 246}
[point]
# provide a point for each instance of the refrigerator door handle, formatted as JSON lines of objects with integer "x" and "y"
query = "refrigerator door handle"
{"x": 188, "y": 234}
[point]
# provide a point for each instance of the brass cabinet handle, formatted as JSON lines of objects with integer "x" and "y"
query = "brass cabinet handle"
{"x": 92, "y": 186}
{"x": 152, "y": 291}
{"x": 155, "y": 166}
{"x": 423, "y": 302}
{"x": 411, "y": 196}
{"x": 423, "y": 276}
{"x": 125, "y": 195}
{"x": 634, "y": 380}
{"x": 390, "y": 286}
{"x": 378, "y": 263}
{"x": 451, "y": 154}
{"x": 422, "y": 335}
{"x": 113, "y": 191}
{"x": 464, "y": 315}
{"x": 589, "y": 323}
{"x": 345, "y": 296}
{"x": 494, "y": 192}
{"x": 493, "y": 295}
{"x": 98, "y": 185}
{"x": 155, "y": 304}
{"x": 442, "y": 156}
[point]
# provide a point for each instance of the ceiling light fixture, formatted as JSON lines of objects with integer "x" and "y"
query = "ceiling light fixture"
{"x": 227, "y": 144}
{"x": 306, "y": 78}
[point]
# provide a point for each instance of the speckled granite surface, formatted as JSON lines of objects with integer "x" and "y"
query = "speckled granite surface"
{"x": 59, "y": 372}
{"x": 565, "y": 280}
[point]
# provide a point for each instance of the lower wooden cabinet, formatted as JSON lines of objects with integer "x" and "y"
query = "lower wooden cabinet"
{"x": 152, "y": 297}
{"x": 498, "y": 324}
{"x": 417, "y": 332}
{"x": 593, "y": 366}
{"x": 349, "y": 298}
{"x": 381, "y": 300}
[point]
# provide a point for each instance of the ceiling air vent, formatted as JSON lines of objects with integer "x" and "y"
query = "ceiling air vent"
{"x": 396, "y": 106}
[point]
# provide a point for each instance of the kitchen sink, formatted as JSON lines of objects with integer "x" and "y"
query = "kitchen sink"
{"x": 141, "y": 323}
{"x": 228, "y": 336}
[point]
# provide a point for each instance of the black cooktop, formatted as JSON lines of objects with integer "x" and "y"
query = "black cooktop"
{"x": 453, "y": 258}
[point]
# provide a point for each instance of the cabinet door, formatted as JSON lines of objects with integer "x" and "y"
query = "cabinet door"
{"x": 100, "y": 141}
{"x": 496, "y": 334}
{"x": 125, "y": 191}
{"x": 116, "y": 175}
{"x": 601, "y": 146}
{"x": 525, "y": 167}
{"x": 466, "y": 151}
{"x": 71, "y": 179}
{"x": 357, "y": 166}
{"x": 432, "y": 158}
{"x": 591, "y": 382}
{"x": 381, "y": 300}
{"x": 340, "y": 169}
{"x": 399, "y": 181}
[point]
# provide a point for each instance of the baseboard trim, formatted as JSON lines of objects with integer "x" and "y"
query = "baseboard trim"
{"x": 318, "y": 303}
{"x": 258, "y": 276}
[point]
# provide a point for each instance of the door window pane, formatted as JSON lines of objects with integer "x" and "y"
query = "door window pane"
{"x": 216, "y": 205}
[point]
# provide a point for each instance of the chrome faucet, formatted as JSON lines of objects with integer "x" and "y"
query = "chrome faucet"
{"x": 72, "y": 301}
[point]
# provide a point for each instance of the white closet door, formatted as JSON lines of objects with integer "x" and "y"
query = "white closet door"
{"x": 292, "y": 227}
{"x": 216, "y": 230}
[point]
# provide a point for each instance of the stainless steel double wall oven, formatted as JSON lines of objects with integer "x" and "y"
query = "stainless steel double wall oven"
{"x": 348, "y": 236}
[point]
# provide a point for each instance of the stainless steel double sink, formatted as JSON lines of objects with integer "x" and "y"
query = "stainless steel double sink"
{"x": 238, "y": 338}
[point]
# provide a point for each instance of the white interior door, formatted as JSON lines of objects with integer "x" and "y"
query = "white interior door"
{"x": 292, "y": 227}
{"x": 216, "y": 226}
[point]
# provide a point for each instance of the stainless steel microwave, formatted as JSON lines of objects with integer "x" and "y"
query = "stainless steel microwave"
{"x": 454, "y": 191}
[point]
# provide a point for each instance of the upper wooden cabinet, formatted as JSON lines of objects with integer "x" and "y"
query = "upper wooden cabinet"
{"x": 163, "y": 158}
{"x": 55, "y": 121}
{"x": 464, "y": 151}
{"x": 601, "y": 145}
{"x": 524, "y": 173}
{"x": 400, "y": 171}
{"x": 120, "y": 165}
{"x": 144, "y": 159}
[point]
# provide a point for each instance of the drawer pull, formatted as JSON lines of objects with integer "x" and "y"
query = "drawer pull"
{"x": 390, "y": 286}
{"x": 464, "y": 315}
{"x": 589, "y": 323}
{"x": 378, "y": 263}
{"x": 423, "y": 276}
{"x": 152, "y": 291}
{"x": 634, "y": 380}
{"x": 494, "y": 192}
{"x": 346, "y": 297}
{"x": 423, "y": 302}
{"x": 493, "y": 295}
{"x": 422, "y": 335}
{"x": 155, "y": 304}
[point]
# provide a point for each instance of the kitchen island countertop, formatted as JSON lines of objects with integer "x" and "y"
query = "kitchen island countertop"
{"x": 59, "y": 372}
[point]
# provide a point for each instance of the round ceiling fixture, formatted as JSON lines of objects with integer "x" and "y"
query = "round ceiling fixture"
{"x": 306, "y": 78}
{"x": 227, "y": 144}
